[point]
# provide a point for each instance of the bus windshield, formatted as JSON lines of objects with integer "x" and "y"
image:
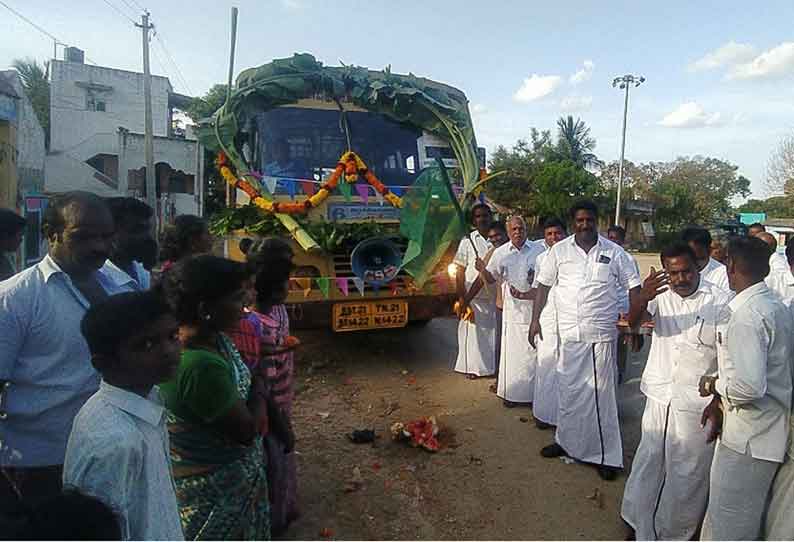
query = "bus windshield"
{"x": 300, "y": 143}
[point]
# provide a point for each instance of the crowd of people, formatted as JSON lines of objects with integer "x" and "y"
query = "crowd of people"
{"x": 716, "y": 458}
{"x": 158, "y": 398}
{"x": 158, "y": 403}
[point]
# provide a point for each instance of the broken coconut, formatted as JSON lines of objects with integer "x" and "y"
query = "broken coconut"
{"x": 420, "y": 433}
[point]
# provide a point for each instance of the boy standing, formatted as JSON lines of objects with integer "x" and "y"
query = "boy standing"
{"x": 118, "y": 449}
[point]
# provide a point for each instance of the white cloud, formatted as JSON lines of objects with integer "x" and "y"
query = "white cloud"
{"x": 690, "y": 115}
{"x": 536, "y": 87}
{"x": 576, "y": 103}
{"x": 727, "y": 55}
{"x": 583, "y": 74}
{"x": 775, "y": 62}
{"x": 478, "y": 109}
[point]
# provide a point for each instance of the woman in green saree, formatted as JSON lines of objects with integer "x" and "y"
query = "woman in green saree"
{"x": 216, "y": 408}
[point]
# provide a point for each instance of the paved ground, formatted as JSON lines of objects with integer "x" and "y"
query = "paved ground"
{"x": 488, "y": 482}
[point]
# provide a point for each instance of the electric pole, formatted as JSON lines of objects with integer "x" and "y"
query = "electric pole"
{"x": 148, "y": 145}
{"x": 624, "y": 83}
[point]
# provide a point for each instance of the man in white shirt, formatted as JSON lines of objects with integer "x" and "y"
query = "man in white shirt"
{"x": 710, "y": 269}
{"x": 777, "y": 262}
{"x": 118, "y": 450}
{"x": 476, "y": 339}
{"x": 546, "y": 401}
{"x": 666, "y": 494}
{"x": 514, "y": 264}
{"x": 754, "y": 387}
{"x": 780, "y": 516}
{"x": 45, "y": 369}
{"x": 584, "y": 269}
{"x": 133, "y": 243}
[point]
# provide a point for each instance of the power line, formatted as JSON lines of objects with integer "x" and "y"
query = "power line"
{"x": 31, "y": 23}
{"x": 139, "y": 5}
{"x": 132, "y": 8}
{"x": 40, "y": 29}
{"x": 173, "y": 62}
{"x": 117, "y": 10}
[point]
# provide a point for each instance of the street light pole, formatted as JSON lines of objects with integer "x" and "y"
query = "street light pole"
{"x": 624, "y": 83}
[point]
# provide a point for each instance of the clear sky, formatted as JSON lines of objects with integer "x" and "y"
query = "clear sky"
{"x": 720, "y": 74}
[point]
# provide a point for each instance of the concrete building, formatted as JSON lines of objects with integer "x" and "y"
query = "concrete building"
{"x": 22, "y": 154}
{"x": 96, "y": 136}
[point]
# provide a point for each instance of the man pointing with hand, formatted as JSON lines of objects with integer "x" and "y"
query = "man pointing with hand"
{"x": 667, "y": 491}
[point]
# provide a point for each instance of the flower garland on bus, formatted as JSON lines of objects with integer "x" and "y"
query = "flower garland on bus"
{"x": 350, "y": 164}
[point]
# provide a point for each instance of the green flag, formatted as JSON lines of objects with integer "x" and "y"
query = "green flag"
{"x": 324, "y": 283}
{"x": 430, "y": 220}
{"x": 346, "y": 190}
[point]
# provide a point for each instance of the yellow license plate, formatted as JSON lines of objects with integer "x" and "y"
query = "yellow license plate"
{"x": 370, "y": 315}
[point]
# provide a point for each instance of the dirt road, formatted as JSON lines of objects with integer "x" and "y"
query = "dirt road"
{"x": 489, "y": 481}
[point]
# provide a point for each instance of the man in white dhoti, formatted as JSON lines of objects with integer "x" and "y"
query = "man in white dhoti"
{"x": 710, "y": 269}
{"x": 477, "y": 338}
{"x": 780, "y": 513}
{"x": 546, "y": 401}
{"x": 584, "y": 269}
{"x": 753, "y": 389}
{"x": 514, "y": 265}
{"x": 666, "y": 494}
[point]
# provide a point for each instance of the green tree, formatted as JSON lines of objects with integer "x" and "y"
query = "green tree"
{"x": 557, "y": 185}
{"x": 776, "y": 206}
{"x": 574, "y": 142}
{"x": 204, "y": 106}
{"x": 215, "y": 187}
{"x": 35, "y": 80}
{"x": 542, "y": 177}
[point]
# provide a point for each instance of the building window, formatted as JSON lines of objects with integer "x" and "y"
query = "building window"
{"x": 94, "y": 104}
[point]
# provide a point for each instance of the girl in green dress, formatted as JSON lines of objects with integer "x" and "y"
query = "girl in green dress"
{"x": 216, "y": 408}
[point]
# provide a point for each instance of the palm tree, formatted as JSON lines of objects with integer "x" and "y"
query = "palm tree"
{"x": 37, "y": 88}
{"x": 574, "y": 142}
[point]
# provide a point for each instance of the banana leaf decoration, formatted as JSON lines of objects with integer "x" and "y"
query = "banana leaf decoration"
{"x": 436, "y": 108}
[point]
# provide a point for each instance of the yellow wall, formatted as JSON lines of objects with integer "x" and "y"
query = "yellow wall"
{"x": 8, "y": 165}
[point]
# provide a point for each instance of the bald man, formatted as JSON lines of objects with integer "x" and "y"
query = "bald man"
{"x": 514, "y": 264}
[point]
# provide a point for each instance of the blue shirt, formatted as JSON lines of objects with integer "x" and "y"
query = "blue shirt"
{"x": 46, "y": 360}
{"x": 140, "y": 279}
{"x": 118, "y": 452}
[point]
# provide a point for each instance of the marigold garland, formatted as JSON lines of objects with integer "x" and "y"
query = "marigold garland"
{"x": 350, "y": 164}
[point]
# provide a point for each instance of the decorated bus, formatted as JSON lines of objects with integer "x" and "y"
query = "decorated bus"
{"x": 367, "y": 173}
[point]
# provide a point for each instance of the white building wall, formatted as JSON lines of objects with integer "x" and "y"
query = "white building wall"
{"x": 78, "y": 134}
{"x": 82, "y": 132}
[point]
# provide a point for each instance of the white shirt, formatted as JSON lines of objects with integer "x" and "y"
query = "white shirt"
{"x": 782, "y": 284}
{"x": 684, "y": 345}
{"x": 755, "y": 373}
{"x": 46, "y": 360}
{"x": 118, "y": 452}
{"x": 623, "y": 294}
{"x": 587, "y": 299}
{"x": 465, "y": 257}
{"x": 140, "y": 282}
{"x": 778, "y": 263}
{"x": 548, "y": 318}
{"x": 717, "y": 274}
{"x": 513, "y": 266}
